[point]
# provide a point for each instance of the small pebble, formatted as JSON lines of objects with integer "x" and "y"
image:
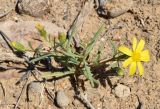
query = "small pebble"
{"x": 122, "y": 91}
{"x": 36, "y": 87}
{"x": 62, "y": 99}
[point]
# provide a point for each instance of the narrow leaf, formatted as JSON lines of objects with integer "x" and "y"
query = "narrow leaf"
{"x": 57, "y": 74}
{"x": 71, "y": 54}
{"x": 93, "y": 41}
{"x": 113, "y": 47}
{"x": 73, "y": 61}
{"x": 99, "y": 53}
{"x": 30, "y": 45}
{"x": 43, "y": 33}
{"x": 41, "y": 57}
{"x": 89, "y": 75}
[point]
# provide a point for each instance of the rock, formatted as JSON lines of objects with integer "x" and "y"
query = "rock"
{"x": 35, "y": 94}
{"x": 25, "y": 31}
{"x": 116, "y": 8}
{"x": 34, "y": 8}
{"x": 62, "y": 99}
{"x": 122, "y": 91}
{"x": 153, "y": 2}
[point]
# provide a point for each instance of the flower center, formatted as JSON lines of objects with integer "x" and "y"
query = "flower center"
{"x": 136, "y": 56}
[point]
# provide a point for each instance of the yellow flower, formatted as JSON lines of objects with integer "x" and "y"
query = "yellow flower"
{"x": 39, "y": 26}
{"x": 135, "y": 56}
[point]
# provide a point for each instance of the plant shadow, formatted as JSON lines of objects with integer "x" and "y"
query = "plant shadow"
{"x": 101, "y": 74}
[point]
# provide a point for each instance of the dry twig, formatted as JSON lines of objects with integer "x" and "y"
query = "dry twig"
{"x": 82, "y": 15}
{"x": 84, "y": 99}
{"x": 24, "y": 86}
{"x": 3, "y": 89}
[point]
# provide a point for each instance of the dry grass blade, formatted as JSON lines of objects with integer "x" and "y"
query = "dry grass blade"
{"x": 83, "y": 14}
{"x": 3, "y": 89}
{"x": 19, "y": 98}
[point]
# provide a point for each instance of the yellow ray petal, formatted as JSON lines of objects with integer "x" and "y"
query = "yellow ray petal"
{"x": 127, "y": 62}
{"x": 132, "y": 68}
{"x": 140, "y": 45}
{"x": 145, "y": 56}
{"x": 140, "y": 68}
{"x": 134, "y": 43}
{"x": 125, "y": 50}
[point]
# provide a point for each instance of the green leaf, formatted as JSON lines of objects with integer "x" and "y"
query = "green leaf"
{"x": 99, "y": 53}
{"x": 57, "y": 74}
{"x": 121, "y": 57}
{"x": 18, "y": 46}
{"x": 93, "y": 41}
{"x": 113, "y": 47}
{"x": 73, "y": 61}
{"x": 69, "y": 53}
{"x": 70, "y": 36}
{"x": 41, "y": 57}
{"x": 89, "y": 75}
{"x": 43, "y": 33}
{"x": 30, "y": 45}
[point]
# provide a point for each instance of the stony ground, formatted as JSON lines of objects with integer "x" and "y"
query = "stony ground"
{"x": 140, "y": 18}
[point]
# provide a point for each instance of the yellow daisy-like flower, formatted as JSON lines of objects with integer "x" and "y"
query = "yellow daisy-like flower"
{"x": 135, "y": 56}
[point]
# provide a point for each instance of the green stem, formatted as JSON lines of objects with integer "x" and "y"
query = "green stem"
{"x": 108, "y": 60}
